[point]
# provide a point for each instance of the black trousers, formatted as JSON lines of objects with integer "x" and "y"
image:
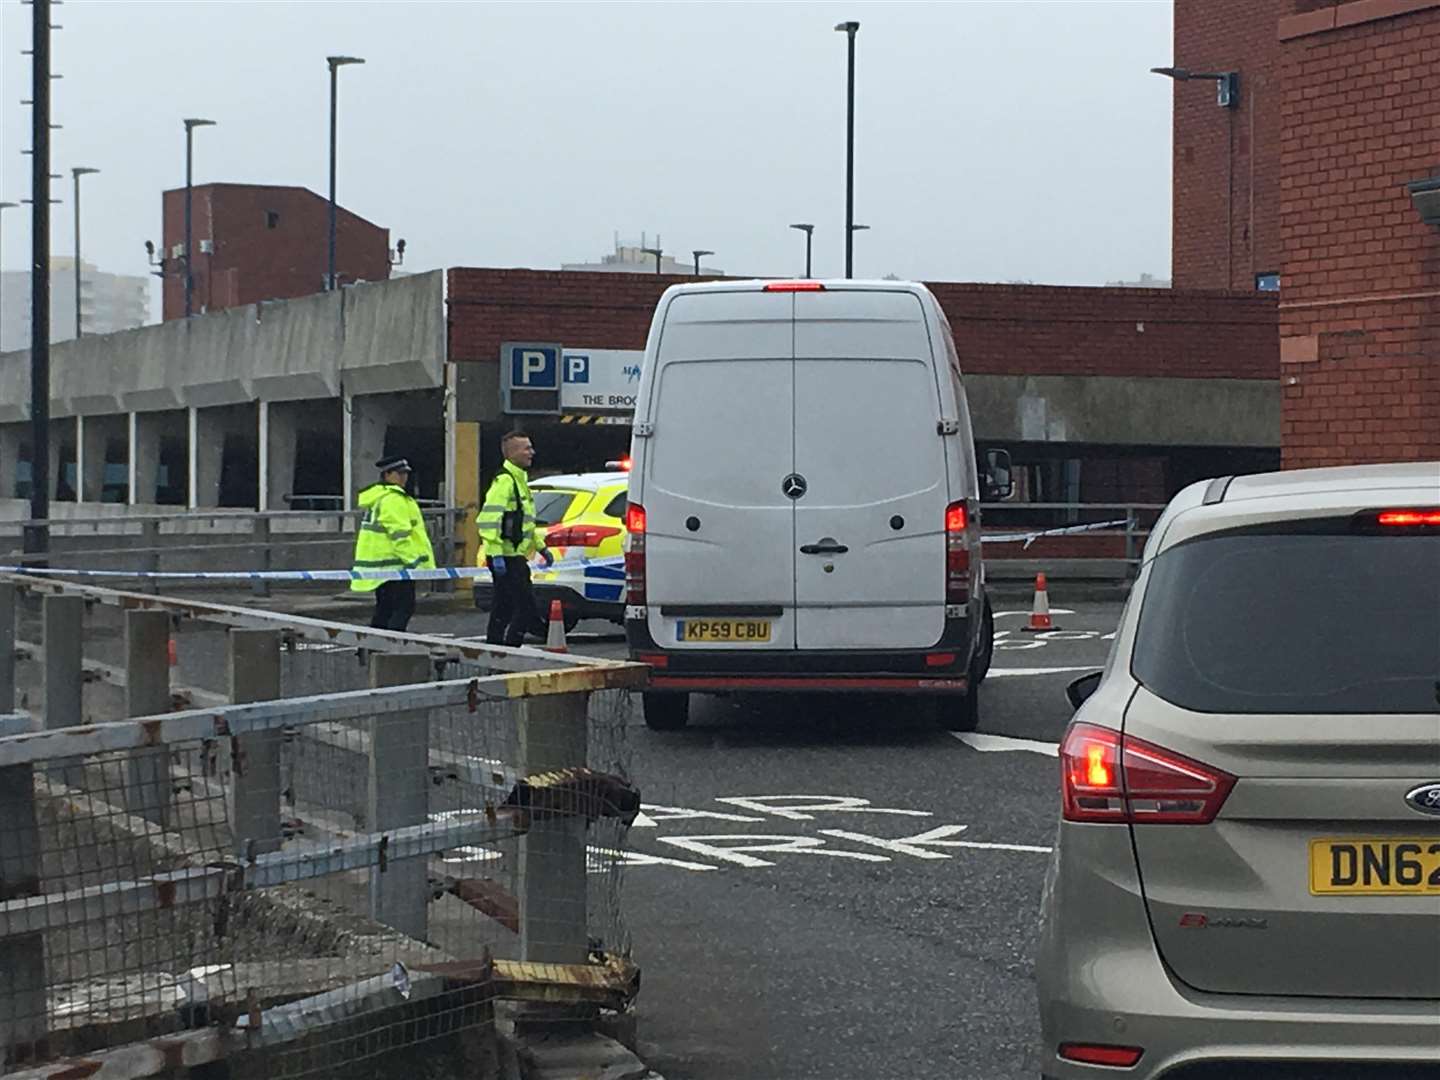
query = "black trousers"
{"x": 513, "y": 611}
{"x": 394, "y": 604}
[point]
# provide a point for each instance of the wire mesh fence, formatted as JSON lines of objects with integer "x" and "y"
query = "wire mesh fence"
{"x": 343, "y": 870}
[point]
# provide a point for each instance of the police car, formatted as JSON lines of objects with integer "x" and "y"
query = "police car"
{"x": 584, "y": 519}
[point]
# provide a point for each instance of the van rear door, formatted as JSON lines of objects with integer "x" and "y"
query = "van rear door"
{"x": 720, "y": 541}
{"x": 866, "y": 406}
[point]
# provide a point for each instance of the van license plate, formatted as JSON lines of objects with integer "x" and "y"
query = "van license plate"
{"x": 1408, "y": 865}
{"x": 724, "y": 630}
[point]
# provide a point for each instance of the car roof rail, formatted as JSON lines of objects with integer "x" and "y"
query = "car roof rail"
{"x": 1215, "y": 493}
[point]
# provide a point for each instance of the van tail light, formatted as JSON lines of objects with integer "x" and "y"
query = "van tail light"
{"x": 1107, "y": 776}
{"x": 585, "y": 536}
{"x": 957, "y": 553}
{"x": 635, "y": 555}
{"x": 1121, "y": 1057}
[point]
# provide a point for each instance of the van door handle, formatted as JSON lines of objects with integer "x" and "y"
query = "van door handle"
{"x": 828, "y": 547}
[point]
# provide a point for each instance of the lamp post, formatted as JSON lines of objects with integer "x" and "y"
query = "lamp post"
{"x": 657, "y": 252}
{"x": 809, "y": 231}
{"x": 849, "y": 29}
{"x": 853, "y": 230}
{"x": 78, "y": 172}
{"x": 336, "y": 63}
{"x": 699, "y": 253}
{"x": 190, "y": 126}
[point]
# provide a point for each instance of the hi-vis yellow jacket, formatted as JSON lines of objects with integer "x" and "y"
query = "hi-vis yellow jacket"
{"x": 392, "y": 535}
{"x": 509, "y": 495}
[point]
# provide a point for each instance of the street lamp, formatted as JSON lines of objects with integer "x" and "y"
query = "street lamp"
{"x": 1227, "y": 83}
{"x": 336, "y": 63}
{"x": 657, "y": 253}
{"x": 809, "y": 231}
{"x": 78, "y": 172}
{"x": 698, "y": 253}
{"x": 849, "y": 29}
{"x": 3, "y": 207}
{"x": 857, "y": 228}
{"x": 190, "y": 126}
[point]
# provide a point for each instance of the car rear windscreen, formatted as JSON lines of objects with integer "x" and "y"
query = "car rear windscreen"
{"x": 1316, "y": 618}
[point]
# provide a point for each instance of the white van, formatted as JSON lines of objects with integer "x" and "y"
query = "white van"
{"x": 804, "y": 499}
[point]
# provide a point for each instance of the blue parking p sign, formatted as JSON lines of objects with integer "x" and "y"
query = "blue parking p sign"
{"x": 530, "y": 375}
{"x": 535, "y": 367}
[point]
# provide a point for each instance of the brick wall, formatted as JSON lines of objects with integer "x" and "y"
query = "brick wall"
{"x": 1226, "y": 161}
{"x": 251, "y": 261}
{"x": 1360, "y": 311}
{"x": 999, "y": 329}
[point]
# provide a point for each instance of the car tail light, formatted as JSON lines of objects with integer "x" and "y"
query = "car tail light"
{"x": 794, "y": 286}
{"x": 1402, "y": 519}
{"x": 635, "y": 554}
{"x": 1122, "y": 1057}
{"x": 585, "y": 536}
{"x": 957, "y": 554}
{"x": 1107, "y": 776}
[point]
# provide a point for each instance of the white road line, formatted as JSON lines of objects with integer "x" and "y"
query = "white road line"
{"x": 1002, "y": 847}
{"x": 1002, "y": 743}
{"x": 1053, "y": 611}
{"x": 994, "y": 671}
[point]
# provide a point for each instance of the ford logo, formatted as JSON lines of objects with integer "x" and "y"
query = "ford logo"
{"x": 1425, "y": 798}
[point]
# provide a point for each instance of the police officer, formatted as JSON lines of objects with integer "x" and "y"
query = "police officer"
{"x": 391, "y": 537}
{"x": 508, "y": 530}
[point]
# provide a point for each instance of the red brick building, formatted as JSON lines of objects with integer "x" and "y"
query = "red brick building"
{"x": 1339, "y": 111}
{"x": 254, "y": 242}
{"x": 1226, "y": 170}
{"x": 1360, "y": 302}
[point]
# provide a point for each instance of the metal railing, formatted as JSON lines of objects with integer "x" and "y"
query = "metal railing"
{"x": 342, "y": 861}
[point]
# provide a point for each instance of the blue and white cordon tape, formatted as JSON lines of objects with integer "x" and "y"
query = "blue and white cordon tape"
{"x": 603, "y": 575}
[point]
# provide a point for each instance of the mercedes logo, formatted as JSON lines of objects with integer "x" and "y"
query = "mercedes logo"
{"x": 794, "y": 486}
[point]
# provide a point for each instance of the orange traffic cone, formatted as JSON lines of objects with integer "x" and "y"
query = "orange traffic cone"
{"x": 170, "y": 653}
{"x": 555, "y": 637}
{"x": 1040, "y": 610}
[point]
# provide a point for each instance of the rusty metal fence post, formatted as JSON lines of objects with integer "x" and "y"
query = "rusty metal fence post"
{"x": 553, "y": 908}
{"x": 399, "y": 795}
{"x": 149, "y": 788}
{"x": 253, "y": 786}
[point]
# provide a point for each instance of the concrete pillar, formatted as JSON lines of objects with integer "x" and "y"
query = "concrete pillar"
{"x": 347, "y": 450}
{"x": 144, "y": 457}
{"x": 79, "y": 459}
{"x": 283, "y": 431}
{"x": 400, "y": 795}
{"x": 64, "y": 634}
{"x": 262, "y": 442}
{"x": 149, "y": 791}
{"x": 11, "y": 435}
{"x": 208, "y": 428}
{"x": 253, "y": 790}
{"x": 369, "y": 419}
{"x": 553, "y": 735}
{"x": 192, "y": 458}
{"x": 92, "y": 445}
{"x": 9, "y": 614}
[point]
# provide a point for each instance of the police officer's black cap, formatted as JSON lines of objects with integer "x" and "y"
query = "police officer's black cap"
{"x": 393, "y": 464}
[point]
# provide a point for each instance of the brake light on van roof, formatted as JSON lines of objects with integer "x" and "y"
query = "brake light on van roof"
{"x": 1107, "y": 776}
{"x": 1401, "y": 519}
{"x": 794, "y": 286}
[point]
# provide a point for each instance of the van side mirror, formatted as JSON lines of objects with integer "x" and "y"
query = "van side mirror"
{"x": 1080, "y": 690}
{"x": 998, "y": 484}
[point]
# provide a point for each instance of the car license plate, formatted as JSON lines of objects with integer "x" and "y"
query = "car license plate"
{"x": 1408, "y": 865}
{"x": 723, "y": 630}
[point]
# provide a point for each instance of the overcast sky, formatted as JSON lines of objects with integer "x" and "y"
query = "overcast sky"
{"x": 994, "y": 141}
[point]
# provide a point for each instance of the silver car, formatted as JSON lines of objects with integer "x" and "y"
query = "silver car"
{"x": 1246, "y": 881}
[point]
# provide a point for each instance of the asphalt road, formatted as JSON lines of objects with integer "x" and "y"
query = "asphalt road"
{"x": 847, "y": 956}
